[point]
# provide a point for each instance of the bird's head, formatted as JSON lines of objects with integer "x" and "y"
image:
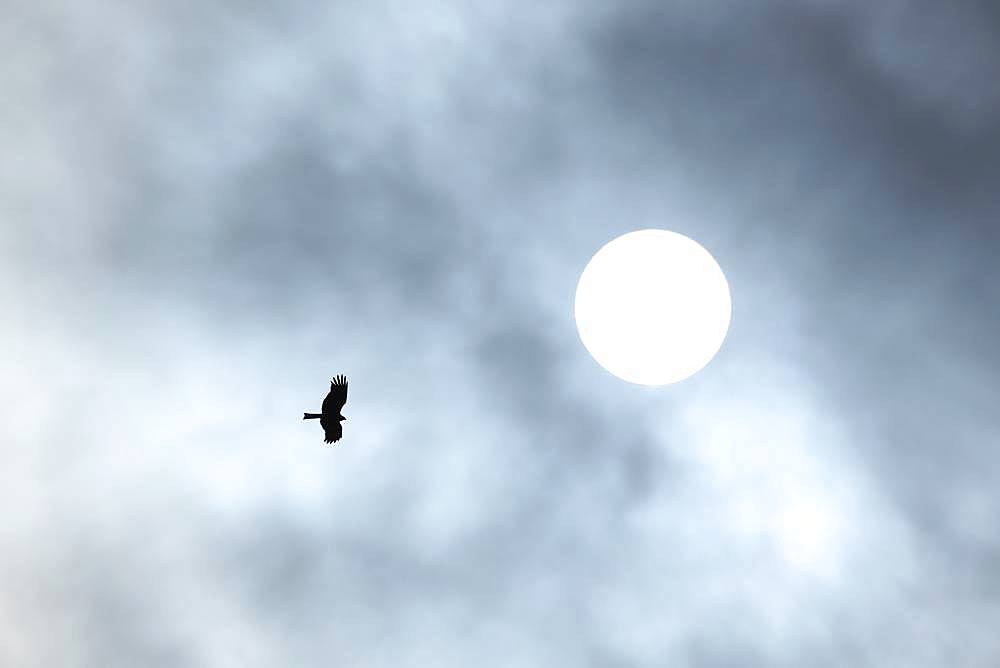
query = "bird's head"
{"x": 343, "y": 419}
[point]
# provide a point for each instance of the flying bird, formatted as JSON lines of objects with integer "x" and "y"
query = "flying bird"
{"x": 331, "y": 418}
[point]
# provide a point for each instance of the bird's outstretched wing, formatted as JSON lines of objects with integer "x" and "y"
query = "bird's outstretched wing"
{"x": 332, "y": 430}
{"x": 337, "y": 397}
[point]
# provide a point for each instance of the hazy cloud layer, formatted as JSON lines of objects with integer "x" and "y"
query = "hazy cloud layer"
{"x": 207, "y": 211}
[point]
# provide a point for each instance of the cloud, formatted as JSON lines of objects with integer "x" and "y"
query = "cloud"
{"x": 211, "y": 210}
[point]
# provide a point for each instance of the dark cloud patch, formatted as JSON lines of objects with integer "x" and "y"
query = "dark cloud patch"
{"x": 881, "y": 291}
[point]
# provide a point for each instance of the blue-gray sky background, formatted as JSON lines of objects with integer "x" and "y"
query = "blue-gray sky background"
{"x": 208, "y": 210}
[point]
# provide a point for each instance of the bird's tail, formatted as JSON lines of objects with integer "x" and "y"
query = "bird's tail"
{"x": 311, "y": 416}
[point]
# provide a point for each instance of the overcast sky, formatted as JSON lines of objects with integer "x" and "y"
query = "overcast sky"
{"x": 208, "y": 209}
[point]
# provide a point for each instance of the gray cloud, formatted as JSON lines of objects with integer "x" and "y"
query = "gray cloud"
{"x": 210, "y": 210}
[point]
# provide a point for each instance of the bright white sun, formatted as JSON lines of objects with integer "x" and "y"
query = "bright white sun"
{"x": 653, "y": 307}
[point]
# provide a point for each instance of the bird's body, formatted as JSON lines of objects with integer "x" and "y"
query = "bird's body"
{"x": 331, "y": 418}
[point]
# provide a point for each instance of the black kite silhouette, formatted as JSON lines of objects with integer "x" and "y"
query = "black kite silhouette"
{"x": 331, "y": 418}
